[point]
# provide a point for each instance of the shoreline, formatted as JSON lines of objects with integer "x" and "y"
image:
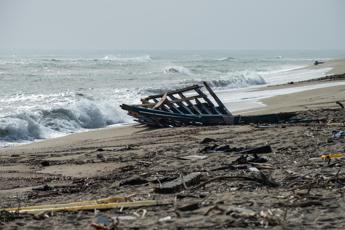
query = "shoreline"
{"x": 265, "y": 104}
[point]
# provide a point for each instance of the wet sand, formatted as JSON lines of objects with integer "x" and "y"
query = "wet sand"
{"x": 293, "y": 189}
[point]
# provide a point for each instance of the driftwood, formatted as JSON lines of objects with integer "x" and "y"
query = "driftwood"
{"x": 179, "y": 183}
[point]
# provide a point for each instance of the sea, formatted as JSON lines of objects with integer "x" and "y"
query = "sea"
{"x": 51, "y": 94}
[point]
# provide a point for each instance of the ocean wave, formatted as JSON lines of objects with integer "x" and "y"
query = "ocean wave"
{"x": 177, "y": 70}
{"x": 231, "y": 80}
{"x": 47, "y": 123}
{"x": 226, "y": 59}
{"x": 144, "y": 58}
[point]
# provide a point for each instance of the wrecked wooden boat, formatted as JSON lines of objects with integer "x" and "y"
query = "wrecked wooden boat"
{"x": 193, "y": 105}
{"x": 187, "y": 106}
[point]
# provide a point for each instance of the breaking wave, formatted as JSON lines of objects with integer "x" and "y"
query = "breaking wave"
{"x": 233, "y": 80}
{"x": 226, "y": 59}
{"x": 177, "y": 70}
{"x": 144, "y": 58}
{"x": 47, "y": 123}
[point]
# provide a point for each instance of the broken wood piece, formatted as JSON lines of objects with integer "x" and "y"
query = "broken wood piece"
{"x": 207, "y": 140}
{"x": 88, "y": 206}
{"x": 219, "y": 102}
{"x": 193, "y": 157}
{"x": 189, "y": 207}
{"x": 135, "y": 180}
{"x": 179, "y": 183}
{"x": 257, "y": 150}
{"x": 340, "y": 104}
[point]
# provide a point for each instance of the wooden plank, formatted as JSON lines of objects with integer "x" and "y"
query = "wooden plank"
{"x": 193, "y": 87}
{"x": 160, "y": 103}
{"x": 185, "y": 99}
{"x": 173, "y": 107}
{"x": 204, "y": 96}
{"x": 203, "y": 107}
{"x": 179, "y": 102}
{"x": 188, "y": 101}
{"x": 215, "y": 97}
{"x": 209, "y": 102}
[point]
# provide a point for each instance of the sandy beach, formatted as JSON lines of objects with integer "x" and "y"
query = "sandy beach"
{"x": 299, "y": 190}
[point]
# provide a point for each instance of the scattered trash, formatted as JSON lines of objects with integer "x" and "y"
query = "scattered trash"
{"x": 179, "y": 183}
{"x": 340, "y": 104}
{"x": 45, "y": 163}
{"x": 189, "y": 207}
{"x": 332, "y": 155}
{"x": 257, "y": 150}
{"x": 125, "y": 217}
{"x": 165, "y": 219}
{"x": 253, "y": 169}
{"x": 135, "y": 180}
{"x": 193, "y": 157}
{"x": 338, "y": 134}
{"x": 42, "y": 188}
{"x": 318, "y": 62}
{"x": 207, "y": 140}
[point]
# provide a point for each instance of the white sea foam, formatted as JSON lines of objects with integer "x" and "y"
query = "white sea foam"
{"x": 47, "y": 123}
{"x": 144, "y": 58}
{"x": 177, "y": 70}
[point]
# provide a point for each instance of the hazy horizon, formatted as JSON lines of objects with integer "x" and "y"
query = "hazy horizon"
{"x": 46, "y": 25}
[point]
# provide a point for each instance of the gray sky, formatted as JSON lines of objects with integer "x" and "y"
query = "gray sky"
{"x": 172, "y": 24}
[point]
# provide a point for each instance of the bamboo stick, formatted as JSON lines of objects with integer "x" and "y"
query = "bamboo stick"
{"x": 78, "y": 206}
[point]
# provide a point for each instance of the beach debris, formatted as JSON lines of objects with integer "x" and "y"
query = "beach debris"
{"x": 332, "y": 155}
{"x": 100, "y": 204}
{"x": 135, "y": 180}
{"x": 125, "y": 218}
{"x": 102, "y": 222}
{"x": 239, "y": 150}
{"x": 45, "y": 163}
{"x": 318, "y": 62}
{"x": 340, "y": 104}
{"x": 42, "y": 188}
{"x": 192, "y": 106}
{"x": 193, "y": 157}
{"x": 189, "y": 207}
{"x": 261, "y": 178}
{"x": 207, "y": 140}
{"x": 245, "y": 159}
{"x": 240, "y": 212}
{"x": 257, "y": 150}
{"x": 338, "y": 134}
{"x": 180, "y": 183}
{"x": 165, "y": 219}
{"x": 101, "y": 157}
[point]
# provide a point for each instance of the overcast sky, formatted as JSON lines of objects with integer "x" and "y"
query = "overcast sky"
{"x": 172, "y": 24}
